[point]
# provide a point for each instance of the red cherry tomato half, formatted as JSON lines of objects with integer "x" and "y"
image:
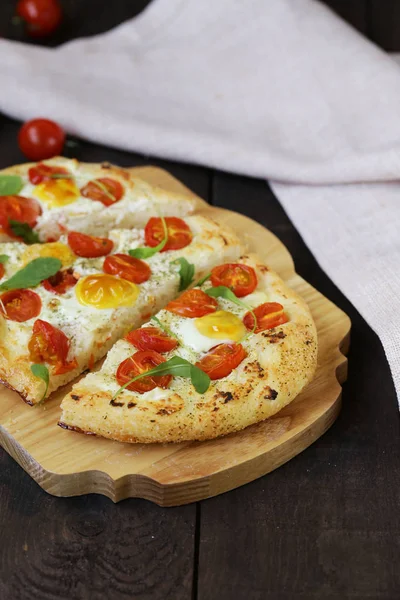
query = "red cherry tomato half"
{"x": 193, "y": 303}
{"x": 268, "y": 315}
{"x": 20, "y": 305}
{"x": 40, "y": 139}
{"x": 127, "y": 267}
{"x": 51, "y": 345}
{"x": 18, "y": 208}
{"x": 89, "y": 246}
{"x": 179, "y": 234}
{"x": 2, "y": 270}
{"x": 42, "y": 17}
{"x": 141, "y": 362}
{"x": 241, "y": 279}
{"x": 151, "y": 338}
{"x": 221, "y": 360}
{"x": 60, "y": 282}
{"x": 42, "y": 172}
{"x": 105, "y": 190}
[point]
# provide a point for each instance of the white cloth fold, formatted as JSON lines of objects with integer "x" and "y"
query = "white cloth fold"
{"x": 282, "y": 89}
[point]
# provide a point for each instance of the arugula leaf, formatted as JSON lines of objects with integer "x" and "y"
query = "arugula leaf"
{"x": 10, "y": 185}
{"x": 60, "y": 176}
{"x": 164, "y": 327}
{"x": 103, "y": 188}
{"x": 186, "y": 273}
{"x": 148, "y": 252}
{"x": 24, "y": 231}
{"x": 42, "y": 372}
{"x": 4, "y": 258}
{"x": 179, "y": 367}
{"x": 33, "y": 273}
{"x": 202, "y": 280}
{"x": 221, "y": 291}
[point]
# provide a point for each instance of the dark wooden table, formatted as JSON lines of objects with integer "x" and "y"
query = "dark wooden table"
{"x": 324, "y": 526}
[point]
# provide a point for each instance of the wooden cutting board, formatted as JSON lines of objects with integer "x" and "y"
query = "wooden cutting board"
{"x": 72, "y": 464}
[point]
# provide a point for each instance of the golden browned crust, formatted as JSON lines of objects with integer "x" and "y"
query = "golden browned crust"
{"x": 279, "y": 365}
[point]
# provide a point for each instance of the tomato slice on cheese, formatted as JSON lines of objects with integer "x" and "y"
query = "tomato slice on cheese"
{"x": 42, "y": 172}
{"x": 151, "y": 338}
{"x": 179, "y": 233}
{"x": 128, "y": 267}
{"x": 138, "y": 363}
{"x": 2, "y": 270}
{"x": 60, "y": 282}
{"x": 105, "y": 190}
{"x": 241, "y": 279}
{"x": 51, "y": 345}
{"x": 89, "y": 246}
{"x": 18, "y": 208}
{"x": 193, "y": 303}
{"x": 20, "y": 305}
{"x": 268, "y": 315}
{"x": 221, "y": 360}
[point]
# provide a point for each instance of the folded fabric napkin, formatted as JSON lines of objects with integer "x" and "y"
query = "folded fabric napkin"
{"x": 283, "y": 90}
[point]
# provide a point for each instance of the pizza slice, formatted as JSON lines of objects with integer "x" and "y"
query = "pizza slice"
{"x": 224, "y": 355}
{"x": 64, "y": 304}
{"x": 41, "y": 201}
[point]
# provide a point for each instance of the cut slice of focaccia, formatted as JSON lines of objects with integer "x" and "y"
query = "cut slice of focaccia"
{"x": 227, "y": 354}
{"x": 62, "y": 194}
{"x": 64, "y": 304}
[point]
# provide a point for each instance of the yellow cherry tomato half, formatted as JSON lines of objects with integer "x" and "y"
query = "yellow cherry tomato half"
{"x": 57, "y": 192}
{"x": 221, "y": 325}
{"x": 106, "y": 291}
{"x": 54, "y": 249}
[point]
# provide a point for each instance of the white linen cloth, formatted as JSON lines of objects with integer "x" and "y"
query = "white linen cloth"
{"x": 281, "y": 89}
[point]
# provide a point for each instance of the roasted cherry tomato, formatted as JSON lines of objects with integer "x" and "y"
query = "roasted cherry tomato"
{"x": 2, "y": 270}
{"x": 268, "y": 315}
{"x": 20, "y": 305}
{"x": 18, "y": 208}
{"x": 106, "y": 291}
{"x": 179, "y": 234}
{"x": 42, "y": 172}
{"x": 141, "y": 362}
{"x": 105, "y": 190}
{"x": 127, "y": 267}
{"x": 51, "y": 345}
{"x": 40, "y": 139}
{"x": 221, "y": 360}
{"x": 89, "y": 246}
{"x": 193, "y": 303}
{"x": 60, "y": 282}
{"x": 151, "y": 338}
{"x": 241, "y": 279}
{"x": 42, "y": 17}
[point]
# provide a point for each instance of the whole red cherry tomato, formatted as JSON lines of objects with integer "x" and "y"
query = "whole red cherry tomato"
{"x": 39, "y": 139}
{"x": 42, "y": 17}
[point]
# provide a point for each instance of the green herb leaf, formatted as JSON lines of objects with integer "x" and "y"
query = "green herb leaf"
{"x": 24, "y": 231}
{"x": 32, "y": 274}
{"x": 179, "y": 367}
{"x": 202, "y": 280}
{"x": 186, "y": 273}
{"x": 10, "y": 185}
{"x": 221, "y": 291}
{"x": 4, "y": 258}
{"x": 163, "y": 327}
{"x": 42, "y": 372}
{"x": 148, "y": 252}
{"x": 60, "y": 176}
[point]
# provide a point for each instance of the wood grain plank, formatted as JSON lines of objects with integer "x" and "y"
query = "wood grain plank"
{"x": 324, "y": 525}
{"x": 384, "y": 19}
{"x": 353, "y": 11}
